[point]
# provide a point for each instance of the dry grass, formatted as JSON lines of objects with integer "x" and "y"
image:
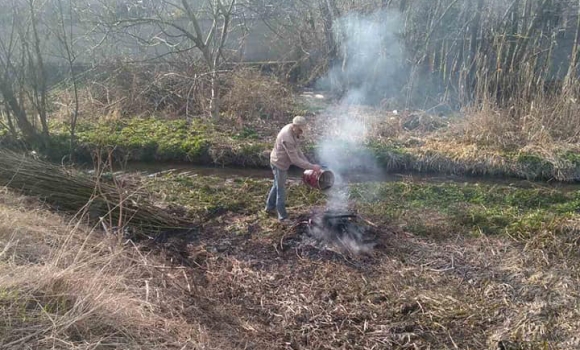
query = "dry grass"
{"x": 132, "y": 90}
{"x": 233, "y": 285}
{"x": 415, "y": 293}
{"x": 365, "y": 124}
{"x": 448, "y": 288}
{"x": 249, "y": 95}
{"x": 547, "y": 161}
{"x": 64, "y": 286}
{"x": 482, "y": 143}
{"x": 542, "y": 122}
{"x": 120, "y": 90}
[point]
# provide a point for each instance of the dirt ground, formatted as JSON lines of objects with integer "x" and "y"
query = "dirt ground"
{"x": 455, "y": 266}
{"x": 262, "y": 289}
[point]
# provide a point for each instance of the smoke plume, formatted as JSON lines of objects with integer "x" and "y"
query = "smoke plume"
{"x": 371, "y": 66}
{"x": 371, "y": 69}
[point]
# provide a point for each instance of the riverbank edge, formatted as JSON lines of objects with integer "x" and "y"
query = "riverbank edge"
{"x": 177, "y": 141}
{"x": 527, "y": 166}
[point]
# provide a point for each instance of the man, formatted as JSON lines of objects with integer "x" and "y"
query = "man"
{"x": 285, "y": 153}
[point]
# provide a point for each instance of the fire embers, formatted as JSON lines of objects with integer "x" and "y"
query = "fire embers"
{"x": 340, "y": 231}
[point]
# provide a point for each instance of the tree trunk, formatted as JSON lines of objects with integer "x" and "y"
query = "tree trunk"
{"x": 212, "y": 47}
{"x": 10, "y": 122}
{"x": 572, "y": 68}
{"x": 40, "y": 75}
{"x": 329, "y": 13}
{"x": 214, "y": 102}
{"x": 19, "y": 113}
{"x": 67, "y": 42}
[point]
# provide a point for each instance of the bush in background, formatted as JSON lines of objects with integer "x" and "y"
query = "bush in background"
{"x": 249, "y": 95}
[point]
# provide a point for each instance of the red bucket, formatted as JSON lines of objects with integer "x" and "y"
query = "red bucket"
{"x": 322, "y": 179}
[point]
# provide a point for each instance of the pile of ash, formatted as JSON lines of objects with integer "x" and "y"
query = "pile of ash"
{"x": 341, "y": 231}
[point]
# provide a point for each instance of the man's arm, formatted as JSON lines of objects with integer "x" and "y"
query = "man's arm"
{"x": 316, "y": 167}
{"x": 297, "y": 157}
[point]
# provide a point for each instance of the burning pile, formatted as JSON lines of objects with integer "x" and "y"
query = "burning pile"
{"x": 342, "y": 231}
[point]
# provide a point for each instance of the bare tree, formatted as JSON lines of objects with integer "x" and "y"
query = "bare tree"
{"x": 64, "y": 32}
{"x": 22, "y": 73}
{"x": 9, "y": 124}
{"x": 200, "y": 27}
{"x": 38, "y": 72}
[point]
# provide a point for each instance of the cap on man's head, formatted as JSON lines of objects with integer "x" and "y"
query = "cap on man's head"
{"x": 299, "y": 120}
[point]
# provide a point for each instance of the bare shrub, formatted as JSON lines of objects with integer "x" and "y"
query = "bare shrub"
{"x": 134, "y": 90}
{"x": 249, "y": 94}
{"x": 124, "y": 89}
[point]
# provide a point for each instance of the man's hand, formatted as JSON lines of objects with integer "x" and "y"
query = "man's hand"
{"x": 316, "y": 167}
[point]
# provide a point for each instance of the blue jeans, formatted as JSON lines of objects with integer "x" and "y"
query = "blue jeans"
{"x": 277, "y": 197}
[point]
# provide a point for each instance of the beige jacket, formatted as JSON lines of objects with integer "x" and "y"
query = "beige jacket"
{"x": 287, "y": 151}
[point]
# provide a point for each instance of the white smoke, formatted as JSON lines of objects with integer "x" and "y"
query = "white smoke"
{"x": 340, "y": 232}
{"x": 371, "y": 70}
{"x": 372, "y": 65}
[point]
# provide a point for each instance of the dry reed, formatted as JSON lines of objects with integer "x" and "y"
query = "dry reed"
{"x": 64, "y": 286}
{"x": 73, "y": 192}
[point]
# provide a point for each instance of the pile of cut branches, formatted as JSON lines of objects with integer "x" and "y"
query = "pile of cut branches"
{"x": 112, "y": 203}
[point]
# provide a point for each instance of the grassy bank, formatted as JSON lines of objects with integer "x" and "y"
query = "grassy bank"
{"x": 152, "y": 139}
{"x": 421, "y": 207}
{"x": 395, "y": 143}
{"x": 461, "y": 265}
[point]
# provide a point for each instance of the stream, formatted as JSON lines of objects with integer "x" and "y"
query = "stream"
{"x": 295, "y": 175}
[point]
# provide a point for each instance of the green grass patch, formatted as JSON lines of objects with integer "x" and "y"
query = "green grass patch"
{"x": 211, "y": 196}
{"x": 142, "y": 139}
{"x": 247, "y": 133}
{"x": 421, "y": 207}
{"x": 153, "y": 139}
{"x": 534, "y": 165}
{"x": 389, "y": 155}
{"x": 474, "y": 208}
{"x": 572, "y": 157}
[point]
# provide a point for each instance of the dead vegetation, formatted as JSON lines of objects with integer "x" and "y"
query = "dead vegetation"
{"x": 416, "y": 294}
{"x": 475, "y": 143}
{"x": 244, "y": 281}
{"x": 542, "y": 123}
{"x": 114, "y": 204}
{"x": 251, "y": 95}
{"x": 439, "y": 288}
{"x": 124, "y": 90}
{"x": 410, "y": 292}
{"x": 65, "y": 286}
